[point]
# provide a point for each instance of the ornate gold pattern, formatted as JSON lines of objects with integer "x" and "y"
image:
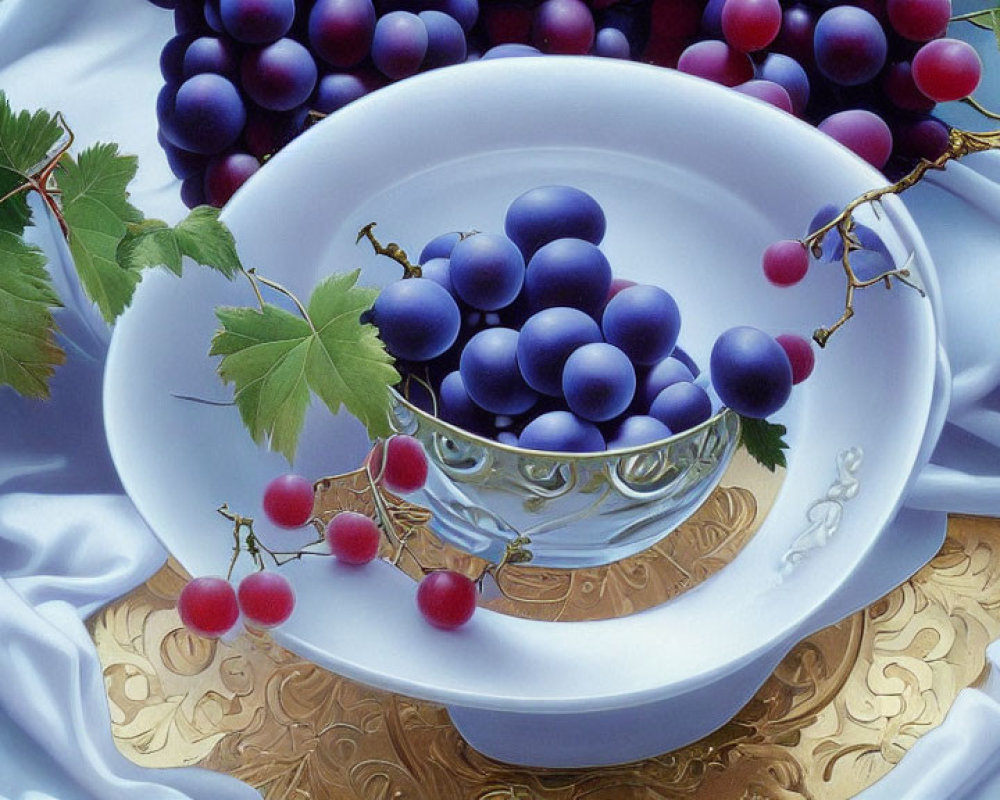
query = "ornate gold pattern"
{"x": 841, "y": 709}
{"x": 699, "y": 548}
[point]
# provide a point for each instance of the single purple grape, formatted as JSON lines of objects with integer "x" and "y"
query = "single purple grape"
{"x": 341, "y": 31}
{"x": 205, "y": 116}
{"x": 445, "y": 40}
{"x": 210, "y": 54}
{"x": 336, "y": 89}
{"x": 279, "y": 76}
{"x": 257, "y": 21}
{"x": 399, "y": 44}
{"x": 638, "y": 430}
{"x": 547, "y": 339}
{"x": 681, "y": 406}
{"x": 849, "y": 44}
{"x": 561, "y": 432}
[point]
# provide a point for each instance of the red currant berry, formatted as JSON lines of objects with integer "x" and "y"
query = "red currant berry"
{"x": 353, "y": 538}
{"x": 405, "y": 463}
{"x": 266, "y": 598}
{"x": 786, "y": 262}
{"x": 447, "y": 599}
{"x": 800, "y": 355}
{"x": 207, "y": 606}
{"x": 750, "y": 25}
{"x": 947, "y": 69}
{"x": 288, "y": 501}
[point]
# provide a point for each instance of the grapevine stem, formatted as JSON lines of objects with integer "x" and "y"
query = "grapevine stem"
{"x": 286, "y": 292}
{"x": 973, "y": 103}
{"x": 960, "y": 143}
{"x": 391, "y": 250}
{"x": 16, "y": 191}
{"x": 256, "y": 288}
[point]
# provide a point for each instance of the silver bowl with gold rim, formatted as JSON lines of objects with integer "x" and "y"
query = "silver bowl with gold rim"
{"x": 575, "y": 509}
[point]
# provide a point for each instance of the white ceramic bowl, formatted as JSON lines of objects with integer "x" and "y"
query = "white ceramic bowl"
{"x": 696, "y": 180}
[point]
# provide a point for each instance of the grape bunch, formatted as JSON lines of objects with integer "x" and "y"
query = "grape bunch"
{"x": 209, "y": 606}
{"x": 244, "y": 77}
{"x": 528, "y": 338}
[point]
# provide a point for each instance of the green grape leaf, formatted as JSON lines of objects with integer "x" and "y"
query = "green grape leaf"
{"x": 28, "y": 350}
{"x": 26, "y": 138}
{"x": 97, "y": 212}
{"x": 995, "y": 24}
{"x": 274, "y": 358}
{"x": 200, "y": 236}
{"x": 763, "y": 441}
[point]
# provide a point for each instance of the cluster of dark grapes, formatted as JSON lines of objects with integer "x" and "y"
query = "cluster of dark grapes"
{"x": 528, "y": 338}
{"x": 209, "y": 606}
{"x": 242, "y": 76}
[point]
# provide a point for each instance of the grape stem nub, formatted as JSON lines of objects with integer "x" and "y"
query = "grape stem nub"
{"x": 391, "y": 250}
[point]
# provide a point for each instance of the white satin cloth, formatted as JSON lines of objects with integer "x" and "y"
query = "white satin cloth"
{"x": 61, "y": 503}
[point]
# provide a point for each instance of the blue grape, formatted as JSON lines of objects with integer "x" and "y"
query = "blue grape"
{"x": 172, "y": 57}
{"x": 445, "y": 40}
{"x": 598, "y": 381}
{"x": 188, "y": 19}
{"x": 662, "y": 374}
{"x": 193, "y": 191}
{"x": 561, "y": 432}
{"x": 850, "y": 45}
{"x": 181, "y": 162}
{"x": 466, "y": 12}
{"x": 417, "y": 319}
{"x": 711, "y": 19}
{"x": 491, "y": 375}
{"x": 789, "y": 74}
{"x": 225, "y": 174}
{"x": 487, "y": 271}
{"x": 750, "y": 372}
{"x": 644, "y": 322}
{"x": 341, "y": 31}
{"x": 399, "y": 44}
{"x": 279, "y": 76}
{"x": 440, "y": 246}
{"x": 267, "y": 132}
{"x": 546, "y": 213}
{"x": 547, "y": 339}
{"x": 508, "y": 438}
{"x": 336, "y": 89}
{"x": 681, "y": 406}
{"x": 511, "y": 50}
{"x": 212, "y": 16}
{"x": 210, "y": 54}
{"x": 638, "y": 430}
{"x": 681, "y": 355}
{"x": 456, "y": 407}
{"x": 205, "y": 116}
{"x": 611, "y": 43}
{"x": 568, "y": 272}
{"x": 257, "y": 21}
{"x": 439, "y": 271}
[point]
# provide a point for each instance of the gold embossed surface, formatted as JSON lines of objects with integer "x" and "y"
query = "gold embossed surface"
{"x": 711, "y": 538}
{"x": 841, "y": 709}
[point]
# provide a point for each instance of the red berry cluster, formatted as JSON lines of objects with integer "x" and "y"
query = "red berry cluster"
{"x": 210, "y": 606}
